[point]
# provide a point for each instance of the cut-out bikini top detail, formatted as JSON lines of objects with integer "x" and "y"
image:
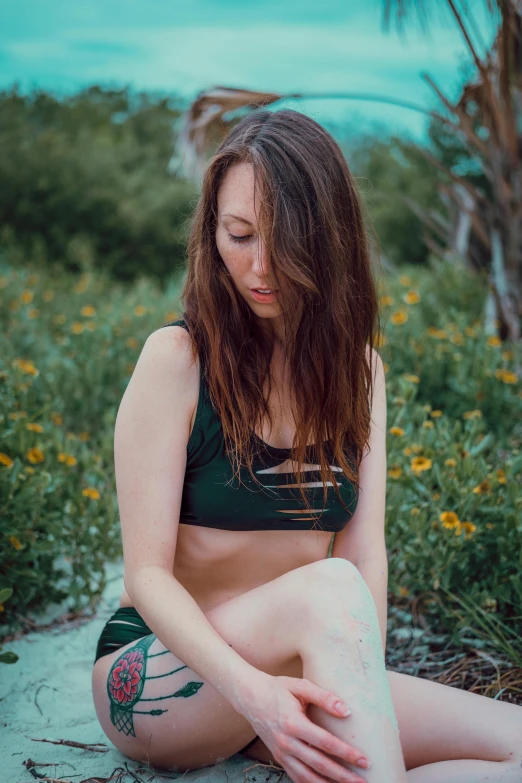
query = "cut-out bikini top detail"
{"x": 213, "y": 497}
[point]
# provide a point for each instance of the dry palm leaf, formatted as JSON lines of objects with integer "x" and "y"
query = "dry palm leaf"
{"x": 204, "y": 122}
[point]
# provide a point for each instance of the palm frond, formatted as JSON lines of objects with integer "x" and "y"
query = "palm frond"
{"x": 204, "y": 124}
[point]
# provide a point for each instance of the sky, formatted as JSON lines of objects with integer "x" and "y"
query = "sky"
{"x": 175, "y": 46}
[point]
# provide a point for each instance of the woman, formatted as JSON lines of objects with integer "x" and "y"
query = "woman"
{"x": 239, "y": 448}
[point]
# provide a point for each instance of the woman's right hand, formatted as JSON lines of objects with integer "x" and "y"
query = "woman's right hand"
{"x": 276, "y": 709}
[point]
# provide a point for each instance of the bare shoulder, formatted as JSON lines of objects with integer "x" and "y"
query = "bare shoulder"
{"x": 169, "y": 351}
{"x": 165, "y": 380}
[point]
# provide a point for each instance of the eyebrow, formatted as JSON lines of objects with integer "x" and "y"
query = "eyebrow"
{"x": 243, "y": 220}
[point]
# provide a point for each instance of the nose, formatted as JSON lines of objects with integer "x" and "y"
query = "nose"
{"x": 260, "y": 263}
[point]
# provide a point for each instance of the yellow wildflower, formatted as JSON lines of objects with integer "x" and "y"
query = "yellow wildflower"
{"x": 29, "y": 469}
{"x": 418, "y": 464}
{"x": 399, "y": 317}
{"x": 5, "y": 460}
{"x": 451, "y": 462}
{"x": 476, "y": 414}
{"x": 428, "y": 425}
{"x": 70, "y": 460}
{"x": 76, "y": 327}
{"x": 417, "y": 448}
{"x": 399, "y": 401}
{"x": 132, "y": 342}
{"x": 396, "y": 431}
{"x": 62, "y": 456}
{"x": 35, "y": 455}
{"x": 88, "y": 311}
{"x": 59, "y": 319}
{"x": 33, "y": 313}
{"x": 395, "y": 471}
{"x": 415, "y": 511}
{"x": 436, "y": 414}
{"x": 84, "y": 436}
{"x": 34, "y": 427}
{"x": 412, "y": 378}
{"x": 468, "y": 528}
{"x": 56, "y": 418}
{"x": 482, "y": 488}
{"x": 501, "y": 476}
{"x": 450, "y": 519}
{"x": 494, "y": 341}
{"x": 405, "y": 280}
{"x": 507, "y": 355}
{"x": 48, "y": 295}
{"x": 407, "y": 451}
{"x": 387, "y": 301}
{"x": 90, "y": 492}
{"x": 25, "y": 366}
{"x": 140, "y": 310}
{"x": 403, "y": 591}
{"x": 15, "y": 415}
{"x": 440, "y": 334}
{"x": 26, "y": 296}
{"x": 490, "y": 525}
{"x": 412, "y": 297}
{"x": 506, "y": 376}
{"x": 15, "y": 542}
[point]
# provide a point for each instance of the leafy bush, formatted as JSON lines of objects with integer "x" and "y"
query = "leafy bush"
{"x": 84, "y": 183}
{"x": 68, "y": 346}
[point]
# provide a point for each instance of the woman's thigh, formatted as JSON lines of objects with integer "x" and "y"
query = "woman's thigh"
{"x": 155, "y": 708}
{"x": 439, "y": 723}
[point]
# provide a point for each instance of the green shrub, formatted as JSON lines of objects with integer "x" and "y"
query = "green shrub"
{"x": 68, "y": 347}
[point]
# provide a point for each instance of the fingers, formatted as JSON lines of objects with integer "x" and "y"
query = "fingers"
{"x": 322, "y": 740}
{"x": 314, "y": 771}
{"x": 327, "y": 700}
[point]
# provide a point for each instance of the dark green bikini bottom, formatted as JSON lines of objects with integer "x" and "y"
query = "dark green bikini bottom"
{"x": 126, "y": 625}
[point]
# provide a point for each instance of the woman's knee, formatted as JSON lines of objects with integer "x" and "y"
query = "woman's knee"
{"x": 334, "y": 583}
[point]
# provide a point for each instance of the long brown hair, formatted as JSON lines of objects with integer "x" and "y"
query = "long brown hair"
{"x": 311, "y": 221}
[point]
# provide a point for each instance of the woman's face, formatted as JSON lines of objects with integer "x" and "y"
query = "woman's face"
{"x": 239, "y": 242}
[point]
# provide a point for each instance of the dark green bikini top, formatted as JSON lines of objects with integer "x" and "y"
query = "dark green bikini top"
{"x": 213, "y": 497}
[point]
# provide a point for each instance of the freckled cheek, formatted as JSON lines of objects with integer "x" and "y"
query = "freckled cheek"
{"x": 236, "y": 260}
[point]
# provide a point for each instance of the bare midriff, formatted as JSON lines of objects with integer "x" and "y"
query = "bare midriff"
{"x": 217, "y": 565}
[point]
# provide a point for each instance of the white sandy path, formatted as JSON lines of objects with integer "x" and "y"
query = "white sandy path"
{"x": 47, "y": 695}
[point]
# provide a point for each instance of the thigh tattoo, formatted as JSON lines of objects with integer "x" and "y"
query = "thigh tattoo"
{"x": 126, "y": 682}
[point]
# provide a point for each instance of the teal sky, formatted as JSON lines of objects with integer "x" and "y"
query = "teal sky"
{"x": 183, "y": 47}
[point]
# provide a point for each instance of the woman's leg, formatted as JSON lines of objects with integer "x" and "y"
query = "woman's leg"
{"x": 455, "y": 736}
{"x": 447, "y": 735}
{"x": 349, "y": 660}
{"x": 293, "y": 625}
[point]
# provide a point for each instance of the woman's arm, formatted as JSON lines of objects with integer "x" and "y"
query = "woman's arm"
{"x": 174, "y": 616}
{"x": 362, "y": 541}
{"x": 150, "y": 451}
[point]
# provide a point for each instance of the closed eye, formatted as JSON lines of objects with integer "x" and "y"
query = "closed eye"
{"x": 239, "y": 239}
